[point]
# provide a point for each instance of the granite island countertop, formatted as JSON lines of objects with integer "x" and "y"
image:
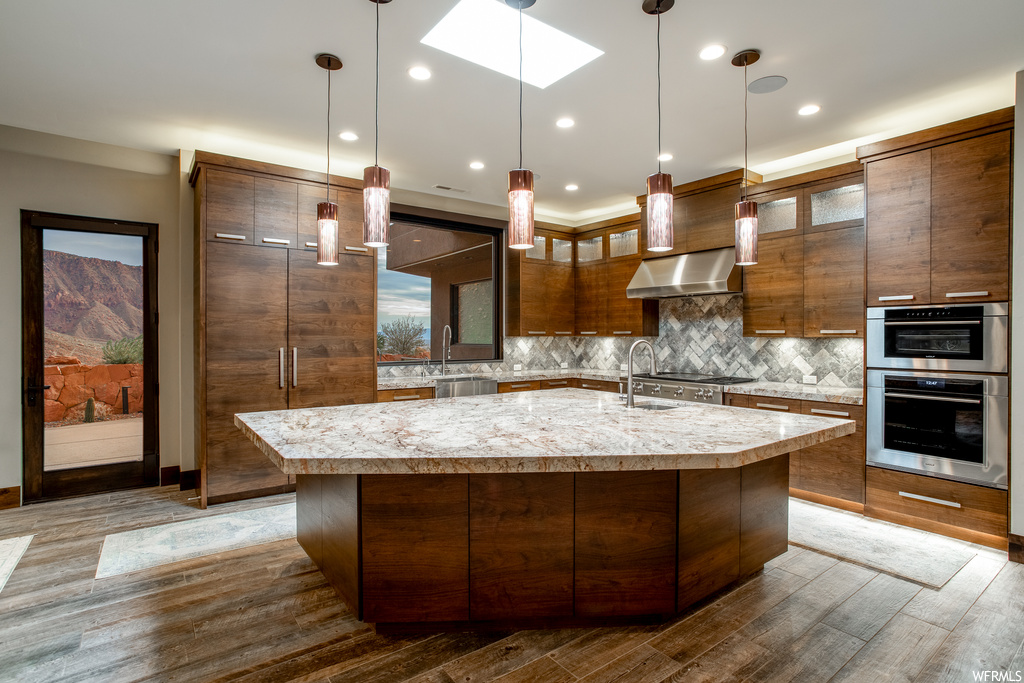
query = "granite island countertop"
{"x": 558, "y": 430}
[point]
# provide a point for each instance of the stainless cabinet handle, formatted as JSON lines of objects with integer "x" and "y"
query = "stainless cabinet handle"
{"x": 772, "y": 406}
{"x": 280, "y": 368}
{"x": 519, "y": 386}
{"x": 837, "y": 331}
{"x": 295, "y": 366}
{"x": 626, "y": 332}
{"x": 955, "y": 295}
{"x": 929, "y": 499}
{"x": 769, "y": 332}
{"x": 536, "y": 332}
{"x": 898, "y": 297}
{"x": 311, "y": 245}
{"x": 563, "y": 332}
{"x": 590, "y": 386}
{"x": 274, "y": 240}
{"x": 836, "y": 413}
{"x": 364, "y": 249}
{"x": 588, "y": 332}
{"x": 405, "y": 398}
{"x": 557, "y": 384}
{"x": 933, "y": 323}
{"x": 947, "y": 399}
{"x": 227, "y": 236}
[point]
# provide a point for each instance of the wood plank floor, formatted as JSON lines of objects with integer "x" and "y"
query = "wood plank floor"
{"x": 265, "y": 613}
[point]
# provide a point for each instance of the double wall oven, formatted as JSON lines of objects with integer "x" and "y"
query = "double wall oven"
{"x": 937, "y": 391}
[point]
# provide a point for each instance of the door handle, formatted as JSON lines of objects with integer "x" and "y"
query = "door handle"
{"x": 31, "y": 392}
{"x": 280, "y": 368}
{"x": 295, "y": 366}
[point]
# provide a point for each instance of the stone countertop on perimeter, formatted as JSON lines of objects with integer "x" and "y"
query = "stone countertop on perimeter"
{"x": 559, "y": 430}
{"x": 804, "y": 392}
{"x": 517, "y": 376}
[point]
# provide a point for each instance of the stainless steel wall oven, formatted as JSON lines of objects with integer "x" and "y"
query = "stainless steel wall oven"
{"x": 958, "y": 337}
{"x": 952, "y": 426}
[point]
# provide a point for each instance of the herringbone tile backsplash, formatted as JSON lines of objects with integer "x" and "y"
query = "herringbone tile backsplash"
{"x": 702, "y": 334}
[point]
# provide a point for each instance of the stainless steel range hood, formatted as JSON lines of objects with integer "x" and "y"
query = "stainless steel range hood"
{"x": 701, "y": 272}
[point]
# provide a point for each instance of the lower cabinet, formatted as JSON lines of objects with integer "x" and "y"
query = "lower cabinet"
{"x": 600, "y": 385}
{"x": 511, "y": 387}
{"x": 972, "y": 513}
{"x": 413, "y": 394}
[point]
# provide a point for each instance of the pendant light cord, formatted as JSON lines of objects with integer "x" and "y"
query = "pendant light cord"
{"x": 520, "y": 85}
{"x": 329, "y": 129}
{"x": 745, "y": 95}
{"x": 659, "y": 85}
{"x": 376, "y": 96}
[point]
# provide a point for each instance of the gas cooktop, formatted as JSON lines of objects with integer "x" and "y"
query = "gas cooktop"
{"x": 693, "y": 378}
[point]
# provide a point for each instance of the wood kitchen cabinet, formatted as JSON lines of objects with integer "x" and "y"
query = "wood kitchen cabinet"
{"x": 834, "y": 283}
{"x": 541, "y": 291}
{"x": 773, "y": 290}
{"x": 939, "y": 213}
{"x": 607, "y": 259}
{"x": 273, "y": 329}
{"x": 350, "y": 218}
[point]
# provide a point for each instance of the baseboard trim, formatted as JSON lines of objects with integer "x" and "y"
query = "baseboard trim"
{"x": 169, "y": 476}
{"x": 820, "y": 499}
{"x": 1016, "y": 550}
{"x": 10, "y": 498}
{"x": 246, "y": 495}
{"x": 188, "y": 480}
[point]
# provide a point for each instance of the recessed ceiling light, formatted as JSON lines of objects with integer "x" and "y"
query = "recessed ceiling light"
{"x": 808, "y": 110}
{"x": 349, "y": 136}
{"x": 486, "y": 33}
{"x": 572, "y": 188}
{"x": 476, "y": 165}
{"x": 665, "y": 157}
{"x": 420, "y": 73}
{"x": 565, "y": 123}
{"x": 712, "y": 52}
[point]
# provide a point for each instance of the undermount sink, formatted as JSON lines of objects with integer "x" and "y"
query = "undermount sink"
{"x": 464, "y": 385}
{"x": 655, "y": 406}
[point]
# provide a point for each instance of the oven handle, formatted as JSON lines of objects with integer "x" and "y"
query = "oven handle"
{"x": 933, "y": 322}
{"x": 976, "y": 401}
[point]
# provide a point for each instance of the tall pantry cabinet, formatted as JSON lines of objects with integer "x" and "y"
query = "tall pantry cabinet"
{"x": 273, "y": 330}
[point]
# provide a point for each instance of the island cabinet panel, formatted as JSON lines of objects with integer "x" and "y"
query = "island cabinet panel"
{"x": 277, "y": 213}
{"x": 521, "y": 545}
{"x": 246, "y": 331}
{"x": 773, "y": 290}
{"x": 764, "y": 517}
{"x": 331, "y": 337}
{"x": 230, "y": 206}
{"x": 709, "y": 532}
{"x": 340, "y": 543}
{"x": 625, "y": 543}
{"x": 898, "y": 229}
{"x": 309, "y": 515}
{"x": 415, "y": 545}
{"x": 970, "y": 235}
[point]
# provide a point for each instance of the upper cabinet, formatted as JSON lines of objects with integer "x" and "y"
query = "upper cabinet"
{"x": 938, "y": 226}
{"x": 809, "y": 278}
{"x": 541, "y": 287}
{"x": 703, "y": 213}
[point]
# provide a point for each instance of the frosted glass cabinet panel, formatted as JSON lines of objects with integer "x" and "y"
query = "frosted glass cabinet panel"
{"x": 626, "y": 243}
{"x": 777, "y": 216}
{"x": 590, "y": 250}
{"x": 561, "y": 250}
{"x": 540, "y": 248}
{"x": 837, "y": 205}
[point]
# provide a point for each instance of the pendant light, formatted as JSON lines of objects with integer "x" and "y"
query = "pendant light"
{"x": 659, "y": 185}
{"x": 376, "y": 180}
{"x": 327, "y": 212}
{"x": 746, "y": 210}
{"x": 520, "y": 180}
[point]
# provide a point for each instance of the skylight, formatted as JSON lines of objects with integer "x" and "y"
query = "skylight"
{"x": 486, "y": 32}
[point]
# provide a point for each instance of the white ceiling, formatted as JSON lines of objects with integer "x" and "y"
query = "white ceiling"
{"x": 238, "y": 77}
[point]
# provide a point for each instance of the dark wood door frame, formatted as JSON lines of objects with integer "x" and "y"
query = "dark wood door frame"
{"x": 38, "y": 485}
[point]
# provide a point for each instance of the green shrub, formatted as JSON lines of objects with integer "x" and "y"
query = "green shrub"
{"x": 122, "y": 351}
{"x": 90, "y": 410}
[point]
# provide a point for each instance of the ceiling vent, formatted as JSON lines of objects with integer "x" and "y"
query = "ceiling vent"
{"x": 449, "y": 189}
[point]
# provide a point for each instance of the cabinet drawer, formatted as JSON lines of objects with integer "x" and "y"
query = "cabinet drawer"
{"x": 834, "y": 468}
{"x": 416, "y": 394}
{"x": 776, "y": 405}
{"x": 509, "y": 387}
{"x": 556, "y": 383}
{"x": 971, "y": 513}
{"x": 599, "y": 385}
{"x": 737, "y": 400}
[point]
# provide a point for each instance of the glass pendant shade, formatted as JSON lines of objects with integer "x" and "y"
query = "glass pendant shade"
{"x": 520, "y": 209}
{"x": 327, "y": 234}
{"x": 376, "y": 206}
{"x": 746, "y": 233}
{"x": 659, "y": 212}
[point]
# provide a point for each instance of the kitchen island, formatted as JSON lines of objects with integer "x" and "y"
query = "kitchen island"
{"x": 551, "y": 508}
